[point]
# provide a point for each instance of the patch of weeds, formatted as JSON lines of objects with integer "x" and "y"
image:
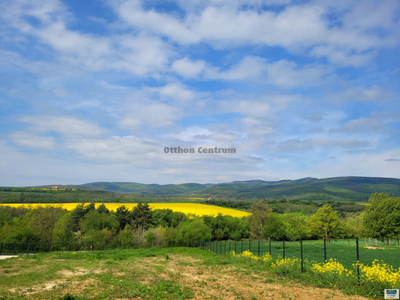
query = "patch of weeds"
{"x": 164, "y": 289}
{"x": 6, "y": 267}
{"x": 70, "y": 297}
{"x": 268, "y": 280}
{"x": 121, "y": 257}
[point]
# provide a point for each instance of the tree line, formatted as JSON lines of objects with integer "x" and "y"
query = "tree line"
{"x": 54, "y": 228}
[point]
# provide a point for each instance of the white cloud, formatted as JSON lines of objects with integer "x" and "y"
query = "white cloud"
{"x": 386, "y": 116}
{"x": 139, "y": 54}
{"x": 190, "y": 133}
{"x": 296, "y": 26}
{"x": 32, "y": 140}
{"x": 175, "y": 91}
{"x": 359, "y": 93}
{"x": 69, "y": 126}
{"x": 287, "y": 74}
{"x": 342, "y": 56}
{"x": 361, "y": 125}
{"x": 115, "y": 148}
{"x": 307, "y": 144}
{"x": 188, "y": 68}
{"x": 249, "y": 68}
{"x": 282, "y": 73}
{"x": 153, "y": 114}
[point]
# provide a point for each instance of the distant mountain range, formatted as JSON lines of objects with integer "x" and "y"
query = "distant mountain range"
{"x": 339, "y": 188}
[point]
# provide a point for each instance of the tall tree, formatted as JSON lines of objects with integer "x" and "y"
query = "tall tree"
{"x": 142, "y": 216}
{"x": 260, "y": 213}
{"x": 325, "y": 222}
{"x": 382, "y": 217}
{"x": 44, "y": 220}
{"x": 123, "y": 216}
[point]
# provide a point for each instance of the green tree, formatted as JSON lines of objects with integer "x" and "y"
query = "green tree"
{"x": 325, "y": 223}
{"x": 43, "y": 220}
{"x": 95, "y": 221}
{"x": 103, "y": 209}
{"x": 296, "y": 226}
{"x": 275, "y": 228}
{"x": 127, "y": 238}
{"x": 382, "y": 217}
{"x": 260, "y": 213}
{"x": 192, "y": 232}
{"x": 142, "y": 217}
{"x": 123, "y": 216}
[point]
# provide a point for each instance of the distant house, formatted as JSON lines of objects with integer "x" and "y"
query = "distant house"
{"x": 55, "y": 187}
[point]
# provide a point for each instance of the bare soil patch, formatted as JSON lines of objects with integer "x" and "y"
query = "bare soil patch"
{"x": 205, "y": 281}
{"x": 232, "y": 283}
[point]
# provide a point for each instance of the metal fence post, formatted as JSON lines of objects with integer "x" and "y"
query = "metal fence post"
{"x": 301, "y": 256}
{"x": 229, "y": 247}
{"x": 259, "y": 254}
{"x": 358, "y": 262}
{"x": 15, "y": 248}
{"x": 1, "y": 248}
{"x": 249, "y": 245}
{"x": 29, "y": 246}
{"x": 283, "y": 240}
{"x": 241, "y": 247}
{"x": 235, "y": 247}
{"x": 324, "y": 251}
{"x": 225, "y": 247}
{"x": 269, "y": 245}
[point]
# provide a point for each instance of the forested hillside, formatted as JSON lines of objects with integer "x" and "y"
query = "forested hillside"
{"x": 336, "y": 189}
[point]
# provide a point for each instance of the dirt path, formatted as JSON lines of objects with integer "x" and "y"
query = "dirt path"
{"x": 7, "y": 256}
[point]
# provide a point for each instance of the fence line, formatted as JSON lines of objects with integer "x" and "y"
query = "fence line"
{"x": 14, "y": 248}
{"x": 284, "y": 248}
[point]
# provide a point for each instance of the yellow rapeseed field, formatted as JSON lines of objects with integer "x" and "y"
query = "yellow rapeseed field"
{"x": 187, "y": 208}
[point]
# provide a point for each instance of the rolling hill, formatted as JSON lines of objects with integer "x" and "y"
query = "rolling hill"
{"x": 336, "y": 189}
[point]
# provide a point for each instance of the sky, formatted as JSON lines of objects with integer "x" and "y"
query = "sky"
{"x": 96, "y": 90}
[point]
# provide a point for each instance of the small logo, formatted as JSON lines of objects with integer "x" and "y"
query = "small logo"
{"x": 391, "y": 294}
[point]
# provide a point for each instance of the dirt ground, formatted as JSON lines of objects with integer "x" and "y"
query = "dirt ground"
{"x": 205, "y": 281}
{"x": 7, "y": 256}
{"x": 229, "y": 283}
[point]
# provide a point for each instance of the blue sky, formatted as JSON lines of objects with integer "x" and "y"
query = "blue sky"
{"x": 94, "y": 90}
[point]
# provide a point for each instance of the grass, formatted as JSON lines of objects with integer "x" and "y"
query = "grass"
{"x": 343, "y": 251}
{"x": 171, "y": 273}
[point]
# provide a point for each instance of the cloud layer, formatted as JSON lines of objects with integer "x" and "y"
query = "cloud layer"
{"x": 297, "y": 88}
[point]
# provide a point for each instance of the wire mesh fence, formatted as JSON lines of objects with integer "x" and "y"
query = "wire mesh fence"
{"x": 18, "y": 248}
{"x": 347, "y": 252}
